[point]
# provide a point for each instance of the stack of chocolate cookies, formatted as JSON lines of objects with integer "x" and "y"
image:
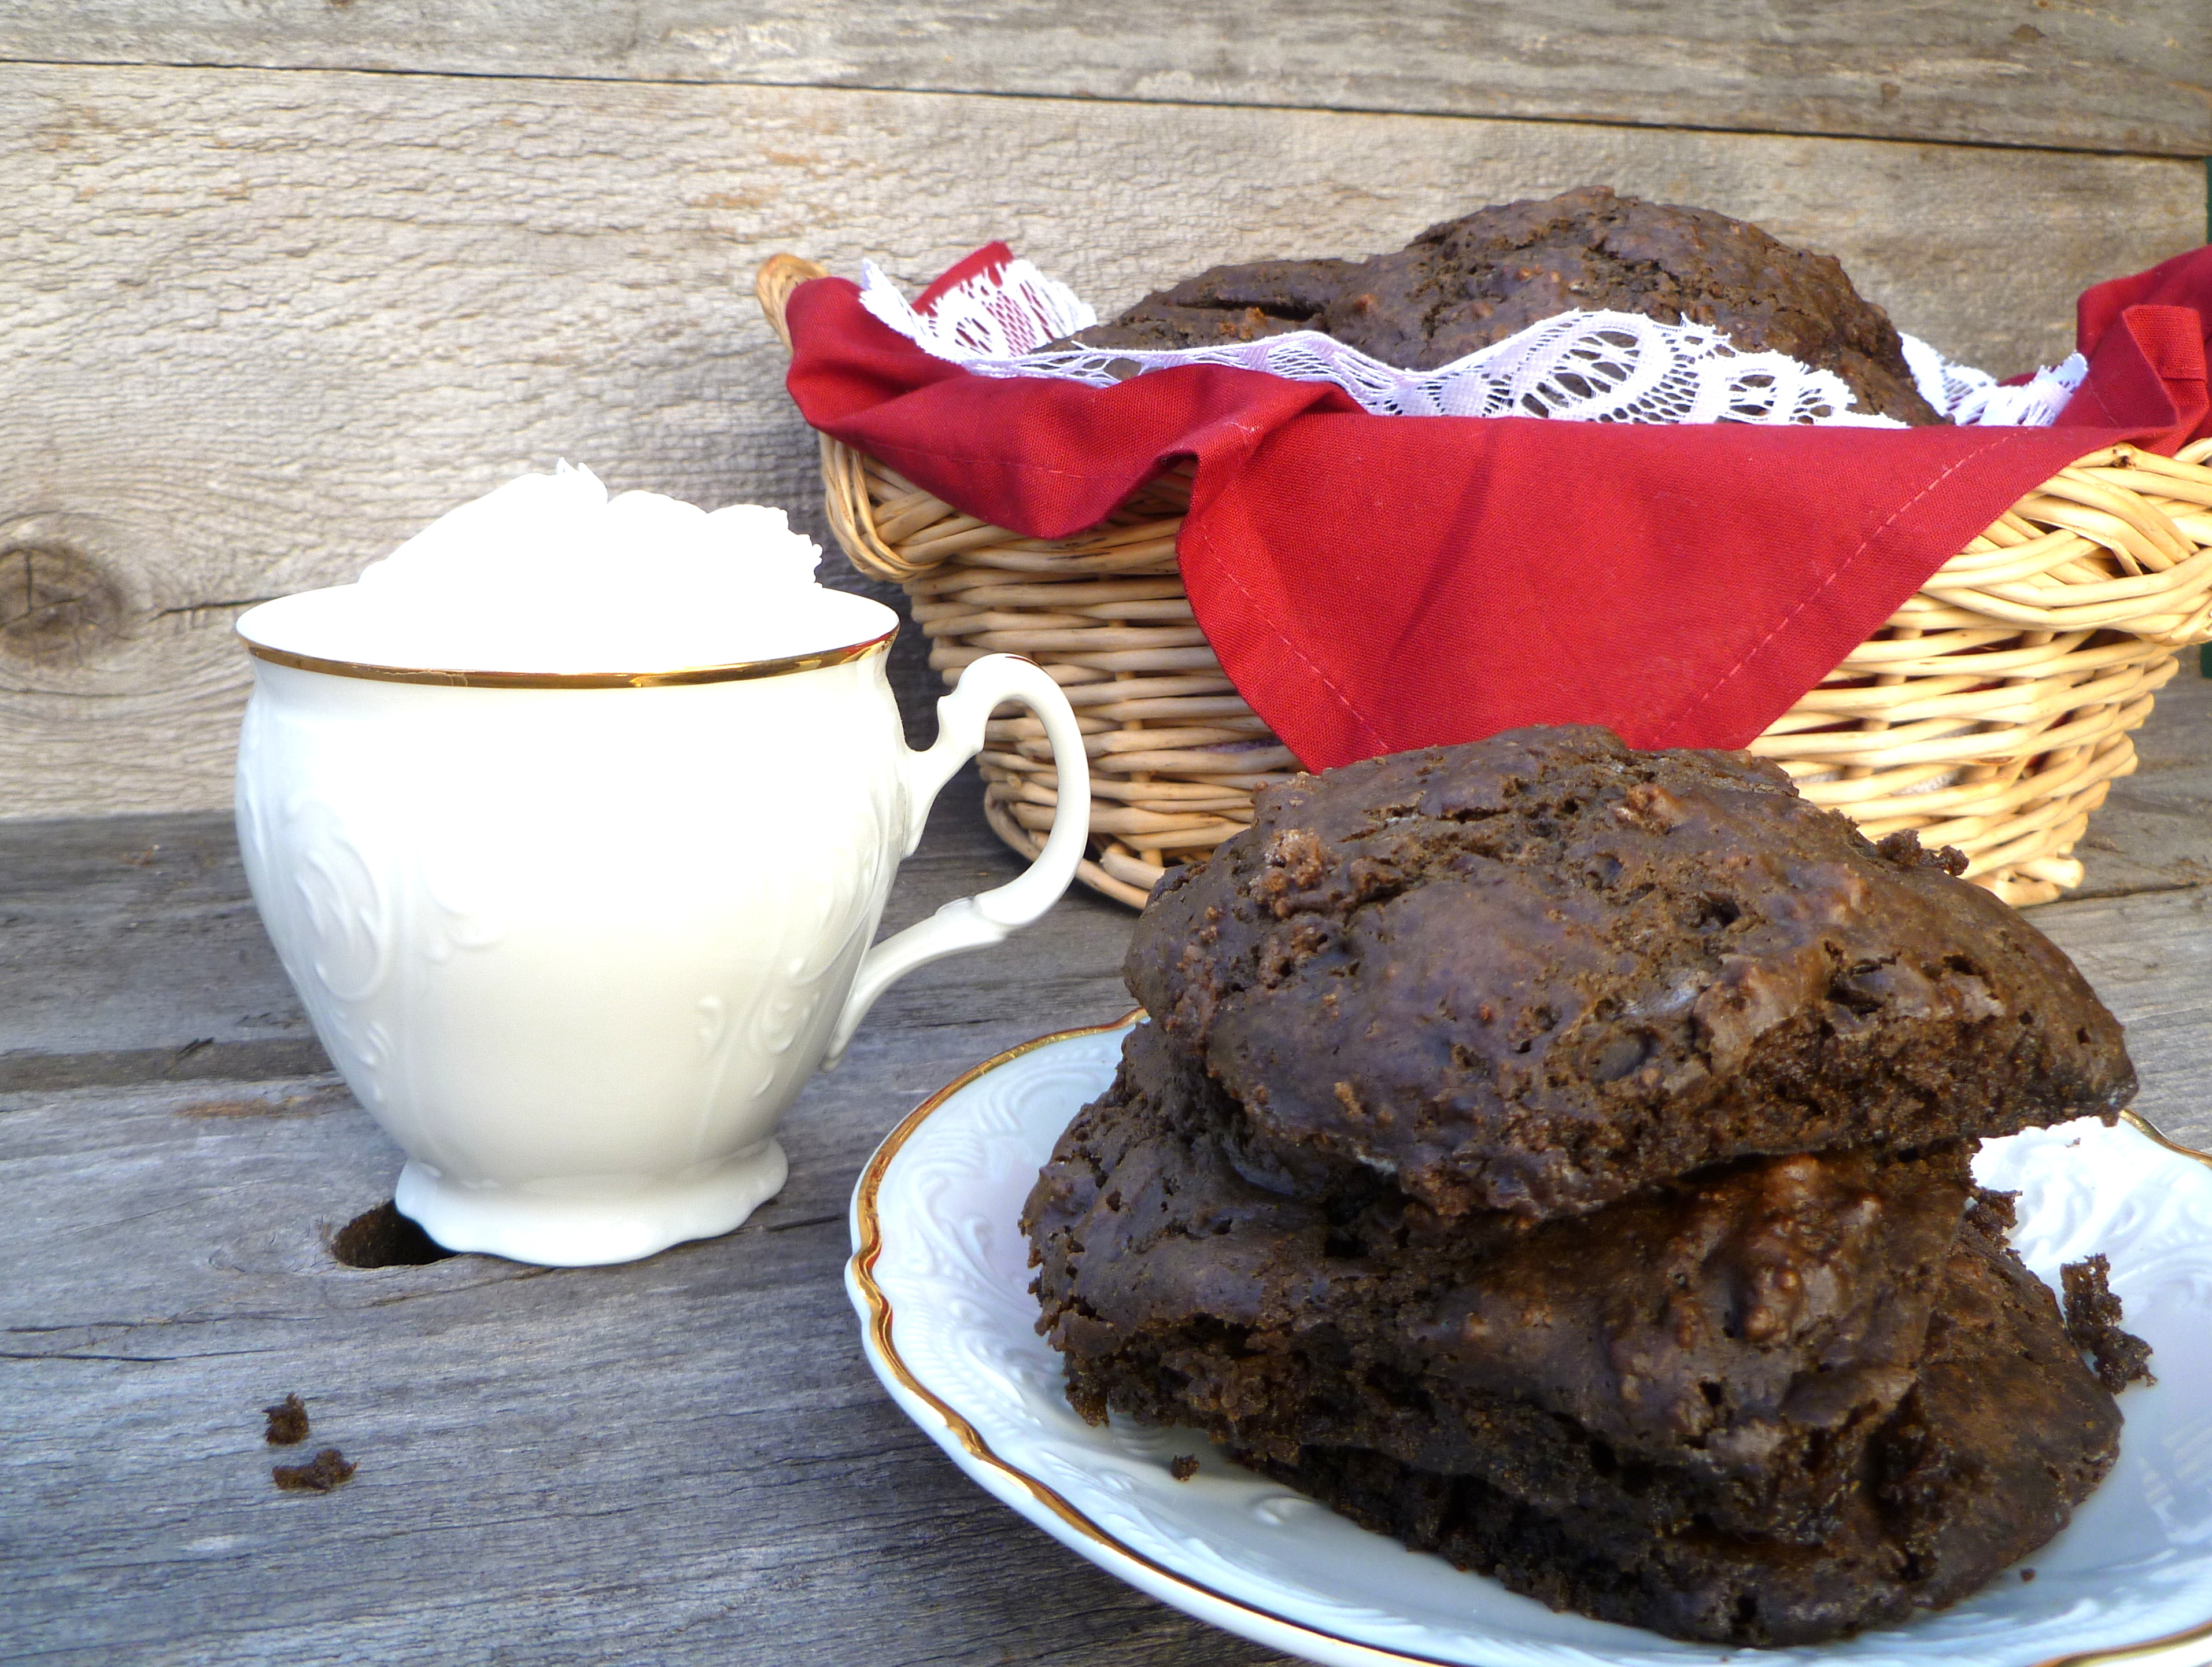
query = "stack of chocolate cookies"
{"x": 1558, "y": 1156}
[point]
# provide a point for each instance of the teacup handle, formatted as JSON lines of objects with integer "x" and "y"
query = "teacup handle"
{"x": 989, "y": 917}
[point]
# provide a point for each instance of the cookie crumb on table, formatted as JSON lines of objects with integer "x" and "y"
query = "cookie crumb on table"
{"x": 288, "y": 1422}
{"x": 1183, "y": 1466}
{"x": 327, "y": 1469}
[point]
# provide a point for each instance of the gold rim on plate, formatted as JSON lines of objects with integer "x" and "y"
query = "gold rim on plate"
{"x": 735, "y": 672}
{"x": 879, "y": 1328}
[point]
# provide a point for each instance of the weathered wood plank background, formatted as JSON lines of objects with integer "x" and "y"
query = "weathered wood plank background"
{"x": 281, "y": 280}
{"x": 2033, "y": 72}
{"x": 267, "y": 306}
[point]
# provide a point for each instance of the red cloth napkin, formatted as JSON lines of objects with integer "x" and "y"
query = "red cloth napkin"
{"x": 1373, "y": 583}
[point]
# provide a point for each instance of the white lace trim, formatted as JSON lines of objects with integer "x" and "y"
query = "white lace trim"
{"x": 1974, "y": 398}
{"x": 993, "y": 317}
{"x": 1578, "y": 366}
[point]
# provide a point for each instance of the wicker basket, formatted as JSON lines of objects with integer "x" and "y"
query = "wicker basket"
{"x": 1991, "y": 712}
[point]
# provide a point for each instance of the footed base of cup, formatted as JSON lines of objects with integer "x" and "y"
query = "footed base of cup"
{"x": 590, "y": 1230}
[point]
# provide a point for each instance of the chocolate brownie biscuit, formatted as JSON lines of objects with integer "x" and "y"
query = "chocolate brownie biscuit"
{"x": 2002, "y": 1434}
{"x": 1468, "y": 282}
{"x": 1699, "y": 1410}
{"x": 1540, "y": 973}
{"x": 2004, "y": 1431}
{"x": 1720, "y": 1348}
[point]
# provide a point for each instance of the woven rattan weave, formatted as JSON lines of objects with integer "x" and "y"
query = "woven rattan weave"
{"x": 1990, "y": 713}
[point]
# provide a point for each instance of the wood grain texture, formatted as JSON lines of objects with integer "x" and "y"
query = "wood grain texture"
{"x": 130, "y": 952}
{"x": 2154, "y": 831}
{"x": 260, "y": 326}
{"x": 2024, "y": 72}
{"x": 684, "y": 1461}
{"x": 681, "y": 1461}
{"x": 2149, "y": 957}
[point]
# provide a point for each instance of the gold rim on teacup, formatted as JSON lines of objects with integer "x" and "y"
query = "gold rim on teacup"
{"x": 734, "y": 672}
{"x": 863, "y": 1265}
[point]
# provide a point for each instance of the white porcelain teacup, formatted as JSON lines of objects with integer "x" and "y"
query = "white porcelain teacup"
{"x": 577, "y": 939}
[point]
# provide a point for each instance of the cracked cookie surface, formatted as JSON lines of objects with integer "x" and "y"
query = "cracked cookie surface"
{"x": 1540, "y": 972}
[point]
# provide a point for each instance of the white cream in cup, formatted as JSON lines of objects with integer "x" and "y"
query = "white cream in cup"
{"x": 572, "y": 821}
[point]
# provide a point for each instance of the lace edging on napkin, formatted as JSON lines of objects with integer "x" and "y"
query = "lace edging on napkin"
{"x": 1599, "y": 367}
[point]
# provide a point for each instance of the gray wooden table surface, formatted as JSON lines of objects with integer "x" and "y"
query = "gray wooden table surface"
{"x": 683, "y": 1460}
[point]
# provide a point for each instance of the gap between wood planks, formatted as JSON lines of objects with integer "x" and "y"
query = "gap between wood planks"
{"x": 1321, "y": 108}
{"x": 2074, "y": 78}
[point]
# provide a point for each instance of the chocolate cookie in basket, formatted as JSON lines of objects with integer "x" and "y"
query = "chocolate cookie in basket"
{"x": 1990, "y": 713}
{"x": 1472, "y": 1177}
{"x": 1472, "y": 281}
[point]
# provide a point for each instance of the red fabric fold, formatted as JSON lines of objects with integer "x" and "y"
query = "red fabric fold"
{"x": 2180, "y": 282}
{"x": 2148, "y": 354}
{"x": 1372, "y": 583}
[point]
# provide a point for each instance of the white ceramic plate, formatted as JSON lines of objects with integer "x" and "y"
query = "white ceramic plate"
{"x": 939, "y": 1275}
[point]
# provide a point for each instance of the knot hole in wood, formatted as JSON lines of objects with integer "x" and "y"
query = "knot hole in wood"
{"x": 57, "y": 606}
{"x": 382, "y": 1237}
